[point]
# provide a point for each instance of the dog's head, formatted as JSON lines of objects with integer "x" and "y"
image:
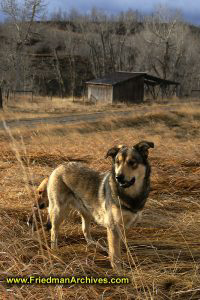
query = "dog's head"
{"x": 42, "y": 198}
{"x": 129, "y": 164}
{"x": 41, "y": 202}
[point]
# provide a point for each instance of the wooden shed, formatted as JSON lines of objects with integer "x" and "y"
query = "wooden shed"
{"x": 128, "y": 87}
{"x": 195, "y": 93}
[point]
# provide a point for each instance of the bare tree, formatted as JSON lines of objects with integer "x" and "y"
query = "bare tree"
{"x": 21, "y": 17}
{"x": 164, "y": 34}
{"x": 109, "y": 41}
{"x": 1, "y": 98}
{"x": 72, "y": 42}
{"x": 164, "y": 48}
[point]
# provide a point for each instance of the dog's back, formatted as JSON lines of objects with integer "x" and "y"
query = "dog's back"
{"x": 76, "y": 180}
{"x": 73, "y": 184}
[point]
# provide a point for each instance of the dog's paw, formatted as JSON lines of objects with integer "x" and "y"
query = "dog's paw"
{"x": 97, "y": 245}
{"x": 117, "y": 267}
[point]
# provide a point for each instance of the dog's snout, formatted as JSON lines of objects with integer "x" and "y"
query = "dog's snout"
{"x": 120, "y": 178}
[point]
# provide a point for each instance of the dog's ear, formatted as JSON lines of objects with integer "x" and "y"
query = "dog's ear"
{"x": 112, "y": 152}
{"x": 143, "y": 148}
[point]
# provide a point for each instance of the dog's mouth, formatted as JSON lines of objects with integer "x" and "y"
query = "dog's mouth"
{"x": 126, "y": 184}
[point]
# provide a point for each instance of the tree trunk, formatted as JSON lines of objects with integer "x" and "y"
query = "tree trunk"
{"x": 1, "y": 99}
{"x": 59, "y": 73}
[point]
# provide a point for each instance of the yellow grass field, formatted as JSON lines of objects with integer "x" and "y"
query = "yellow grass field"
{"x": 163, "y": 253}
{"x": 22, "y": 107}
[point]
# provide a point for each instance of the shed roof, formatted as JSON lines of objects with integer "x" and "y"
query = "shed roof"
{"x": 114, "y": 78}
{"x": 118, "y": 77}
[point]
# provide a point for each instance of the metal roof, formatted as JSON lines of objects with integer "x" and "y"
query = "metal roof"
{"x": 156, "y": 80}
{"x": 118, "y": 77}
{"x": 115, "y": 78}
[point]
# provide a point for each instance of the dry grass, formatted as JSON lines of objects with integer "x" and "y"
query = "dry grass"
{"x": 45, "y": 107}
{"x": 163, "y": 257}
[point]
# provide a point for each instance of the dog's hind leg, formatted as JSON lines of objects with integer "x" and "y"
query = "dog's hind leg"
{"x": 86, "y": 227}
{"x": 56, "y": 218}
{"x": 59, "y": 202}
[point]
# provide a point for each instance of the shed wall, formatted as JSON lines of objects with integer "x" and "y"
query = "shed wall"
{"x": 100, "y": 93}
{"x": 129, "y": 91}
{"x": 195, "y": 93}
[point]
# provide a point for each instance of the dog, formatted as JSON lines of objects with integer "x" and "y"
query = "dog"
{"x": 41, "y": 203}
{"x": 113, "y": 199}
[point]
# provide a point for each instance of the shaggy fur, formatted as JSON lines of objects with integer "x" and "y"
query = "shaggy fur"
{"x": 113, "y": 199}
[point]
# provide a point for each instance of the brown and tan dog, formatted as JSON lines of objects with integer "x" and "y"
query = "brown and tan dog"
{"x": 113, "y": 199}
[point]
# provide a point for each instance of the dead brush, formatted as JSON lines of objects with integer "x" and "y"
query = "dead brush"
{"x": 160, "y": 255}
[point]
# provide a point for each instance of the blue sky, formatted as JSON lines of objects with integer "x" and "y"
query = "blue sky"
{"x": 189, "y": 8}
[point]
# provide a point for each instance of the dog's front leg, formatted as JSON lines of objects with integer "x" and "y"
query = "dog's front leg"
{"x": 114, "y": 242}
{"x": 54, "y": 238}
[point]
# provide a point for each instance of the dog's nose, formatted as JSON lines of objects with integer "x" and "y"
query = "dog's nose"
{"x": 120, "y": 178}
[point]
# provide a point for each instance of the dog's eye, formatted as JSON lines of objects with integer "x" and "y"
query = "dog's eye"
{"x": 117, "y": 161}
{"x": 132, "y": 163}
